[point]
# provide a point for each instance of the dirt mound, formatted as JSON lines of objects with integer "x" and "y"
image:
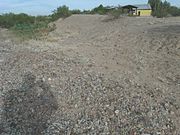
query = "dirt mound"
{"x": 76, "y": 26}
{"x": 115, "y": 77}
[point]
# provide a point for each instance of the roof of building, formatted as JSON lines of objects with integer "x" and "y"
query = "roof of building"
{"x": 143, "y": 6}
{"x": 111, "y": 7}
{"x": 129, "y": 6}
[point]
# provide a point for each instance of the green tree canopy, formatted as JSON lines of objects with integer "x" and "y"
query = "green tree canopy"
{"x": 159, "y": 8}
{"x": 61, "y": 12}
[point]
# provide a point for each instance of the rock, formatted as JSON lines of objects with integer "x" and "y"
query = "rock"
{"x": 151, "y": 23}
{"x": 117, "y": 112}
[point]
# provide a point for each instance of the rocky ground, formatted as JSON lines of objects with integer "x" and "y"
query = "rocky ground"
{"x": 93, "y": 76}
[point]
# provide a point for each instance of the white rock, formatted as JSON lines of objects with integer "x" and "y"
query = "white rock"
{"x": 117, "y": 112}
{"x": 43, "y": 79}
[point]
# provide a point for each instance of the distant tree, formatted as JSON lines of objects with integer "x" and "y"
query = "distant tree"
{"x": 76, "y": 11}
{"x": 61, "y": 12}
{"x": 166, "y": 7}
{"x": 115, "y": 13}
{"x": 42, "y": 19}
{"x": 174, "y": 11}
{"x": 99, "y": 10}
{"x": 10, "y": 19}
{"x": 155, "y": 5}
{"x": 86, "y": 12}
{"x": 159, "y": 8}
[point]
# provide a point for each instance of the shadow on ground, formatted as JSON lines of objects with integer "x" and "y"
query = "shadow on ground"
{"x": 26, "y": 110}
{"x": 170, "y": 29}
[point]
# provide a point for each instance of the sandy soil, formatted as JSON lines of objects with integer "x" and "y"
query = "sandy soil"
{"x": 107, "y": 77}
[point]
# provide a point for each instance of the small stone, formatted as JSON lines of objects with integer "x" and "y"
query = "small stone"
{"x": 43, "y": 79}
{"x": 117, "y": 112}
{"x": 32, "y": 110}
{"x": 48, "y": 121}
{"x": 19, "y": 100}
{"x": 166, "y": 104}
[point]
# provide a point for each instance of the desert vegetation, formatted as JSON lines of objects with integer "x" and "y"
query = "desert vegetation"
{"x": 61, "y": 12}
{"x": 163, "y": 9}
{"x": 32, "y": 27}
{"x": 25, "y": 26}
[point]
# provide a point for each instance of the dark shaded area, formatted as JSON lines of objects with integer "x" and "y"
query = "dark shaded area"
{"x": 26, "y": 110}
{"x": 165, "y": 39}
{"x": 170, "y": 29}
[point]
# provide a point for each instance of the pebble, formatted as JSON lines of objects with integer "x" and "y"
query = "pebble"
{"x": 117, "y": 112}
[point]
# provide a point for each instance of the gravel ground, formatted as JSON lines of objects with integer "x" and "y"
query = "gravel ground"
{"x": 93, "y": 77}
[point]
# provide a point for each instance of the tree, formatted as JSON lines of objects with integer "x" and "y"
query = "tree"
{"x": 159, "y": 8}
{"x": 99, "y": 10}
{"x": 174, "y": 11}
{"x": 61, "y": 12}
{"x": 166, "y": 7}
{"x": 10, "y": 19}
{"x": 155, "y": 5}
{"x": 76, "y": 11}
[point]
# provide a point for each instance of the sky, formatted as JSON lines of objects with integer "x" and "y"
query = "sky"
{"x": 45, "y": 7}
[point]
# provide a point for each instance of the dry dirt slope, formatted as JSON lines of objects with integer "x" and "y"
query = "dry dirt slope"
{"x": 108, "y": 77}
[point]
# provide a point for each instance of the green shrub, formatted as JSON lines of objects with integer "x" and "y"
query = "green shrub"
{"x": 9, "y": 20}
{"x": 115, "y": 14}
{"x": 174, "y": 11}
{"x": 43, "y": 19}
{"x": 76, "y": 11}
{"x": 86, "y": 12}
{"x": 101, "y": 10}
{"x": 32, "y": 31}
{"x": 61, "y": 12}
{"x": 163, "y": 9}
{"x": 29, "y": 27}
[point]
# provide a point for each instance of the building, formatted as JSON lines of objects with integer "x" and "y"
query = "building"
{"x": 130, "y": 10}
{"x": 143, "y": 10}
{"x": 139, "y": 10}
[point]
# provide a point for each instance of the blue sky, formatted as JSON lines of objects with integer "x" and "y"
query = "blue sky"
{"x": 44, "y": 7}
